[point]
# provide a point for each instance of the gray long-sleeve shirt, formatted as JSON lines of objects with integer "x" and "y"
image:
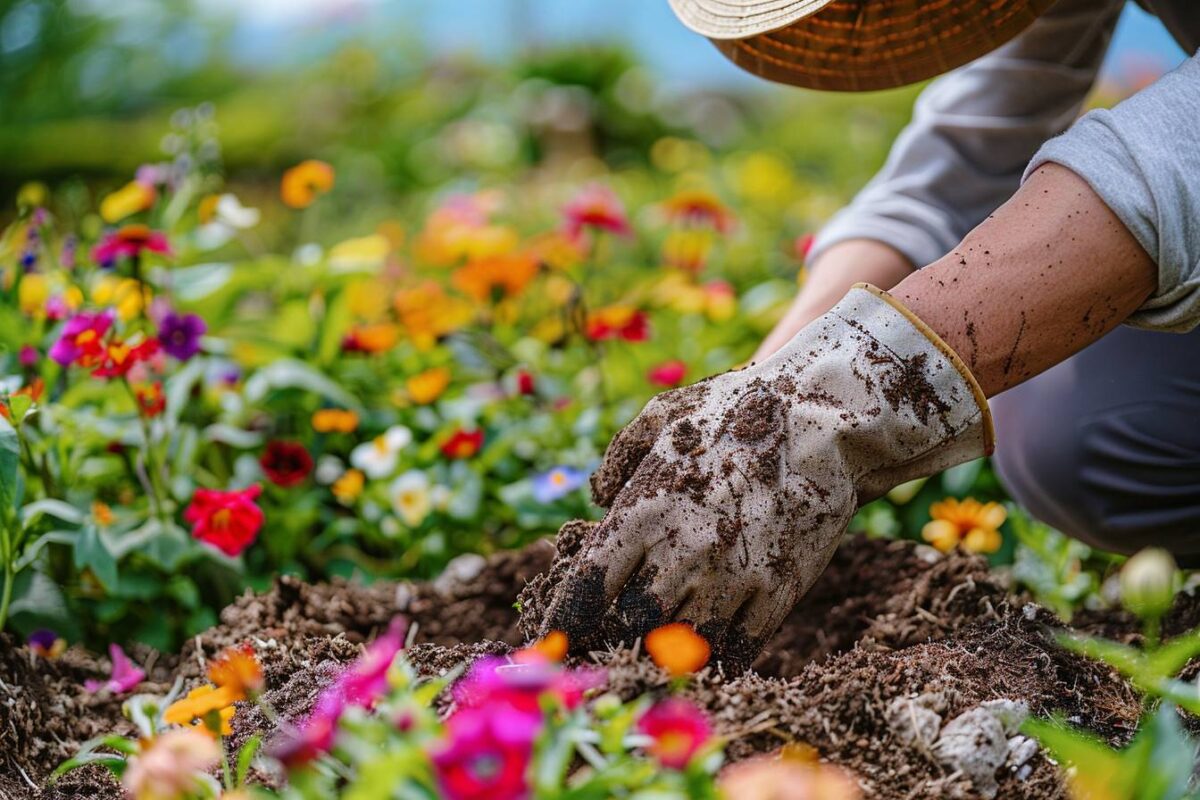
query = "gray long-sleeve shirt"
{"x": 974, "y": 131}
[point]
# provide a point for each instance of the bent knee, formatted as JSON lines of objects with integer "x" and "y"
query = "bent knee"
{"x": 1119, "y": 480}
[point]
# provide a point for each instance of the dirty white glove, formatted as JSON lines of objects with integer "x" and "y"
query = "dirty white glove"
{"x": 727, "y": 498}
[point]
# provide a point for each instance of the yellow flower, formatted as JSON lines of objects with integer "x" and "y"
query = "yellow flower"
{"x": 127, "y": 201}
{"x": 334, "y": 420}
{"x": 33, "y": 293}
{"x": 32, "y": 194}
{"x": 102, "y": 514}
{"x": 427, "y": 386}
{"x": 556, "y": 250}
{"x": 301, "y": 184}
{"x": 206, "y": 707}
{"x": 374, "y": 338}
{"x": 348, "y": 487}
{"x": 364, "y": 254}
{"x": 127, "y": 295}
{"x": 969, "y": 523}
{"x": 366, "y": 300}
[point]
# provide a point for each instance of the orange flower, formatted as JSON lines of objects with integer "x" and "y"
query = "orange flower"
{"x": 551, "y": 647}
{"x": 334, "y": 420}
{"x": 237, "y": 672}
{"x": 302, "y": 183}
{"x": 677, "y": 648}
{"x": 374, "y": 338}
{"x": 427, "y": 313}
{"x": 205, "y": 707}
{"x": 770, "y": 779}
{"x": 969, "y": 523}
{"x": 102, "y": 514}
{"x": 496, "y": 277}
{"x": 427, "y": 386}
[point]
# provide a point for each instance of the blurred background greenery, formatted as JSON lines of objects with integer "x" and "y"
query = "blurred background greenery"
{"x": 413, "y": 94}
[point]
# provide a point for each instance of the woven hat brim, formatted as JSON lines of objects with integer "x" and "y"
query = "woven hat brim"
{"x": 739, "y": 19}
{"x": 867, "y": 45}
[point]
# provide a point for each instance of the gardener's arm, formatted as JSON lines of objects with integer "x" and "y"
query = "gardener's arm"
{"x": 726, "y": 499}
{"x": 972, "y": 134}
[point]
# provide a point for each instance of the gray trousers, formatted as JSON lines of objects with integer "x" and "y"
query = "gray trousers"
{"x": 1106, "y": 446}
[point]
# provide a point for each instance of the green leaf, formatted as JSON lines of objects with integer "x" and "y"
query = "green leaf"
{"x": 1099, "y": 772}
{"x": 10, "y": 459}
{"x": 246, "y": 758}
{"x": 1129, "y": 661}
{"x": 1170, "y": 754}
{"x": 1169, "y": 658}
{"x": 91, "y": 553}
{"x": 50, "y": 507}
{"x": 114, "y": 764}
{"x": 288, "y": 373}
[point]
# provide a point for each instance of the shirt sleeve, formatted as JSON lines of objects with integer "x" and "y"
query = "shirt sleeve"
{"x": 1143, "y": 159}
{"x": 973, "y": 132}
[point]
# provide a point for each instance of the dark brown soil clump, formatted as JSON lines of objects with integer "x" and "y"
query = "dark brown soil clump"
{"x": 887, "y": 623}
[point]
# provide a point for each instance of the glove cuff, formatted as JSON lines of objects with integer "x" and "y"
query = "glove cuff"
{"x": 989, "y": 432}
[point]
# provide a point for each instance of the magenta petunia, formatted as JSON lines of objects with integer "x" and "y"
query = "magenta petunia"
{"x": 81, "y": 340}
{"x": 124, "y": 676}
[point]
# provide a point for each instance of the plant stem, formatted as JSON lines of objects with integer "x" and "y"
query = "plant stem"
{"x": 10, "y": 577}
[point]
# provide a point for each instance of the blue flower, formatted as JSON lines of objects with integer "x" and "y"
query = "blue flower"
{"x": 558, "y": 482}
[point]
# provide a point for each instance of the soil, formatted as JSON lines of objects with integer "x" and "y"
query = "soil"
{"x": 893, "y": 652}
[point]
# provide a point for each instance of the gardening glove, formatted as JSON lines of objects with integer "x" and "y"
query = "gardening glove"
{"x": 727, "y": 498}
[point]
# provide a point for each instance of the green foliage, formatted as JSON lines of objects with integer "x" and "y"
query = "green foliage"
{"x": 1156, "y": 765}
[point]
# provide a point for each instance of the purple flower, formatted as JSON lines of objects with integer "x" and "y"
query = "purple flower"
{"x": 46, "y": 643}
{"x": 180, "y": 334}
{"x": 558, "y": 482}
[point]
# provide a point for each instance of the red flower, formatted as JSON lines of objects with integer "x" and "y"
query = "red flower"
{"x": 525, "y": 383}
{"x": 229, "y": 521}
{"x": 120, "y": 357}
{"x": 150, "y": 399}
{"x": 804, "y": 246}
{"x": 678, "y": 729}
{"x": 596, "y": 206}
{"x": 463, "y": 444}
{"x": 618, "y": 322}
{"x": 286, "y": 463}
{"x": 668, "y": 373}
{"x": 129, "y": 241}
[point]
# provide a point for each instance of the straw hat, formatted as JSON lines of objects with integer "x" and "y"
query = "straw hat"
{"x": 856, "y": 45}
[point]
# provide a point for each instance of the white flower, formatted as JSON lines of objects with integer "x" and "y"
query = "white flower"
{"x": 411, "y": 497}
{"x": 1149, "y": 580}
{"x": 329, "y": 469}
{"x": 229, "y": 217}
{"x": 377, "y": 458}
{"x": 231, "y": 212}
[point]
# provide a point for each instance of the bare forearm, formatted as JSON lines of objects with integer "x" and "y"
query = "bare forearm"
{"x": 1049, "y": 273}
{"x": 829, "y": 278}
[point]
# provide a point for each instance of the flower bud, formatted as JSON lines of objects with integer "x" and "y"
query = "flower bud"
{"x": 1149, "y": 580}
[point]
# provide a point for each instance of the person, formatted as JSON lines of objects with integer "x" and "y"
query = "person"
{"x": 726, "y": 499}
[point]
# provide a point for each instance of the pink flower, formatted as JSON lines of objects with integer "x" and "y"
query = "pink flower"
{"x": 668, "y": 373}
{"x": 314, "y": 736}
{"x": 486, "y": 754}
{"x": 366, "y": 679}
{"x": 82, "y": 339}
{"x": 171, "y": 765}
{"x": 678, "y": 729}
{"x": 129, "y": 241}
{"x": 229, "y": 521}
{"x": 29, "y": 356}
{"x": 596, "y": 206}
{"x": 125, "y": 675}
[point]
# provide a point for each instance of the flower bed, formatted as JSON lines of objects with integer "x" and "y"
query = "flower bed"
{"x": 891, "y": 633}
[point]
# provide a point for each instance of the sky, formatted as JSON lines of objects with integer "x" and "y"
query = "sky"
{"x": 491, "y": 28}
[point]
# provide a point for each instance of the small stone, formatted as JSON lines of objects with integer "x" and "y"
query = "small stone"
{"x": 915, "y": 721}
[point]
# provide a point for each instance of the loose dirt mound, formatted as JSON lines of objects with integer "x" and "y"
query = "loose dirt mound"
{"x": 894, "y": 653}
